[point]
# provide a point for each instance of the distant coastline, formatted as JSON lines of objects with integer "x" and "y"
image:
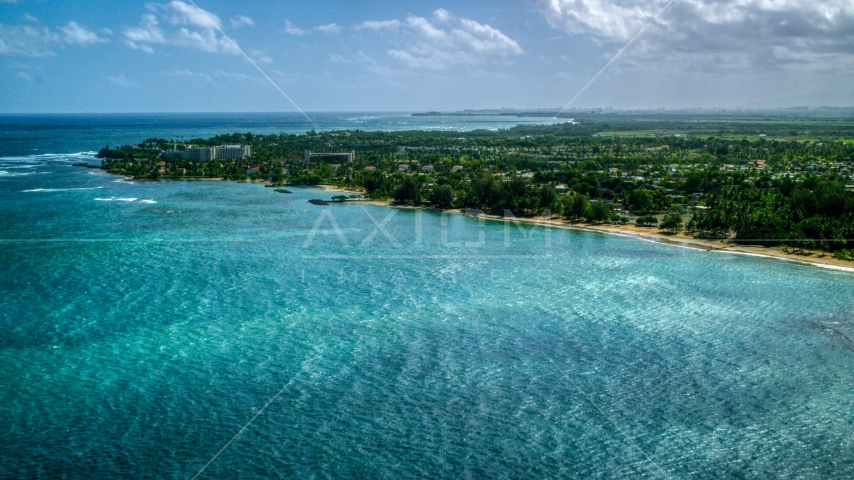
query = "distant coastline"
{"x": 554, "y": 114}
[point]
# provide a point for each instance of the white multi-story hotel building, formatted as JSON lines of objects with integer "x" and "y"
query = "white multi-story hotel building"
{"x": 200, "y": 154}
{"x": 231, "y": 152}
{"x": 222, "y": 152}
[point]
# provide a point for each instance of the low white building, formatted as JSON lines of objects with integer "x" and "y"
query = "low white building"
{"x": 335, "y": 156}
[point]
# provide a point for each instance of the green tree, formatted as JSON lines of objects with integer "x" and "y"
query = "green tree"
{"x": 442, "y": 196}
{"x": 407, "y": 191}
{"x": 599, "y": 212}
{"x": 373, "y": 181}
{"x": 548, "y": 197}
{"x": 579, "y": 205}
{"x": 671, "y": 223}
{"x": 646, "y": 220}
{"x": 324, "y": 171}
{"x": 641, "y": 200}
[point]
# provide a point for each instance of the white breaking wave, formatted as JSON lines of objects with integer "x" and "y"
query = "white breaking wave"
{"x": 63, "y": 155}
{"x": 4, "y": 173}
{"x": 60, "y": 189}
{"x": 11, "y": 162}
{"x": 839, "y": 268}
{"x": 60, "y": 157}
{"x": 123, "y": 199}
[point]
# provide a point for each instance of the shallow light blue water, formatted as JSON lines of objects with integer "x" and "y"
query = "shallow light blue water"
{"x": 144, "y": 324}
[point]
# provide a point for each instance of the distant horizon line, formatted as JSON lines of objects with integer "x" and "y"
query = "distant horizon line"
{"x": 486, "y": 111}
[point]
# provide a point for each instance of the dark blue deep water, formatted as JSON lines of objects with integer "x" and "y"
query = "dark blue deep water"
{"x": 144, "y": 324}
{"x": 39, "y": 134}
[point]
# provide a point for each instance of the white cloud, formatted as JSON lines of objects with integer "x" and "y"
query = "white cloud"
{"x": 27, "y": 41}
{"x": 34, "y": 79}
{"x": 184, "y": 73}
{"x": 32, "y": 41}
{"x": 416, "y": 62}
{"x": 75, "y": 34}
{"x": 205, "y": 40}
{"x": 149, "y": 32}
{"x": 442, "y": 15}
{"x": 242, "y": 21}
{"x": 292, "y": 29}
{"x": 229, "y": 75}
{"x": 331, "y": 29}
{"x": 363, "y": 59}
{"x": 122, "y": 81}
{"x": 563, "y": 77}
{"x": 465, "y": 42}
{"x": 379, "y": 25}
{"x": 260, "y": 56}
{"x": 604, "y": 18}
{"x": 145, "y": 48}
{"x": 211, "y": 77}
{"x": 715, "y": 34}
{"x": 177, "y": 12}
{"x": 179, "y": 73}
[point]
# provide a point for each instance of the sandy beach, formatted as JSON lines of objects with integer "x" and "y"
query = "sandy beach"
{"x": 724, "y": 246}
{"x": 816, "y": 258}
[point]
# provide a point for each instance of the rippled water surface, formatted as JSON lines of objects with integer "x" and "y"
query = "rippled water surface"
{"x": 144, "y": 324}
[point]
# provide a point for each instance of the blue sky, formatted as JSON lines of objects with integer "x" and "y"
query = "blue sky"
{"x": 174, "y": 56}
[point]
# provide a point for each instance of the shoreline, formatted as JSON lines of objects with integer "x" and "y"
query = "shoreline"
{"x": 649, "y": 234}
{"x": 652, "y": 234}
{"x": 821, "y": 260}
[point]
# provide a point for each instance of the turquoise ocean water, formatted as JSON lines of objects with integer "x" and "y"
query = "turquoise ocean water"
{"x": 144, "y": 324}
